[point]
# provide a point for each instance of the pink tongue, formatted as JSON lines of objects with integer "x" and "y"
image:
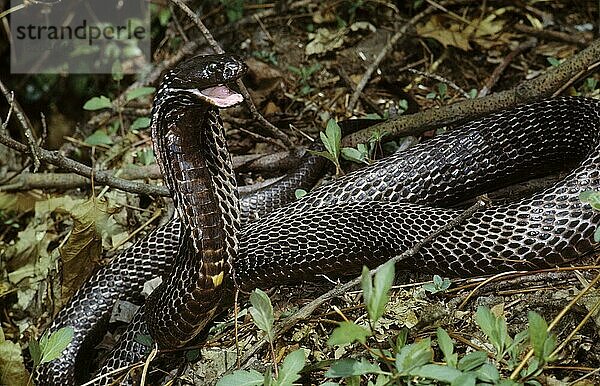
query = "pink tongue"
{"x": 222, "y": 96}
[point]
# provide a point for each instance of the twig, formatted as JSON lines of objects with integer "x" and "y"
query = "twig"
{"x": 440, "y": 78}
{"x": 493, "y": 79}
{"x": 309, "y": 308}
{"x": 552, "y": 35}
{"x": 147, "y": 362}
{"x": 383, "y": 53}
{"x": 100, "y": 177}
{"x": 591, "y": 312}
{"x": 25, "y": 123}
{"x": 576, "y": 77}
{"x": 269, "y": 163}
{"x": 272, "y": 129}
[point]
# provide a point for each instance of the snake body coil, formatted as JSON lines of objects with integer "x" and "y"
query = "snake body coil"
{"x": 384, "y": 209}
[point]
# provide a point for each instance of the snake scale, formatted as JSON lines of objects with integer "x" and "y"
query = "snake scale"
{"x": 365, "y": 217}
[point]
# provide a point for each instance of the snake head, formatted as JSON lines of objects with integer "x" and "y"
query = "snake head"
{"x": 206, "y": 78}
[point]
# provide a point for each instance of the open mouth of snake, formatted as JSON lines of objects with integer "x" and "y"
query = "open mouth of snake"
{"x": 221, "y": 96}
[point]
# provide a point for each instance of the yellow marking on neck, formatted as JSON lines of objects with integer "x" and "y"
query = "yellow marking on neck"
{"x": 217, "y": 280}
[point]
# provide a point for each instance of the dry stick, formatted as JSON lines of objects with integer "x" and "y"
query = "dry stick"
{"x": 591, "y": 312}
{"x": 308, "y": 309}
{"x": 25, "y": 124}
{"x": 575, "y": 77}
{"x": 382, "y": 54}
{"x": 552, "y": 35}
{"x": 273, "y": 130}
{"x": 517, "y": 371}
{"x": 271, "y": 163}
{"x": 493, "y": 79}
{"x": 528, "y": 91}
{"x": 100, "y": 177}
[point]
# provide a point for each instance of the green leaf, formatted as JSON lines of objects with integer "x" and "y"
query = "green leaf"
{"x": 192, "y": 355}
{"x": 299, "y": 193}
{"x": 597, "y": 235}
{"x": 164, "y": 15}
{"x": 350, "y": 367}
{"x": 447, "y": 347}
{"x": 145, "y": 156}
{"x": 553, "y": 61}
{"x": 401, "y": 339}
{"x": 295, "y": 70}
{"x": 437, "y": 372}
{"x": 262, "y": 312}
{"x": 414, "y": 355}
{"x": 376, "y": 291}
{"x": 507, "y": 382}
{"x": 324, "y": 154}
{"x": 465, "y": 379}
{"x": 99, "y": 138}
{"x": 36, "y": 352}
{"x": 290, "y": 368}
{"x": 267, "y": 378}
{"x": 472, "y": 360}
{"x": 139, "y": 92}
{"x": 494, "y": 327}
{"x": 117, "y": 70}
{"x": 140, "y": 123}
{"x": 488, "y": 373}
{"x": 374, "y": 115}
{"x": 549, "y": 346}
{"x": 348, "y": 332}
{"x": 591, "y": 197}
{"x": 355, "y": 155}
{"x": 98, "y": 103}
{"x": 56, "y": 343}
{"x": 332, "y": 138}
{"x": 144, "y": 340}
{"x": 403, "y": 104}
{"x": 538, "y": 333}
{"x": 242, "y": 378}
{"x": 442, "y": 89}
{"x": 437, "y": 285}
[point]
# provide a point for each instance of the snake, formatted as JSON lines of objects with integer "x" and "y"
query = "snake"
{"x": 363, "y": 218}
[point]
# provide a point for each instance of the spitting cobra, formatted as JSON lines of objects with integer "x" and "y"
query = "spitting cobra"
{"x": 365, "y": 217}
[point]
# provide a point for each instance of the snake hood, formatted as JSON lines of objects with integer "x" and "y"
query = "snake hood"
{"x": 205, "y": 79}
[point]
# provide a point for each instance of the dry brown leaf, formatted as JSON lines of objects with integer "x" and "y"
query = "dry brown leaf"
{"x": 92, "y": 222}
{"x": 452, "y": 36}
{"x": 12, "y": 369}
{"x": 485, "y": 32}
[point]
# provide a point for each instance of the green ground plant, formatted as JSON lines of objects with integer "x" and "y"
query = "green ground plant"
{"x": 417, "y": 363}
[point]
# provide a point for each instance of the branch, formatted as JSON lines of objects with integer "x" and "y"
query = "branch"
{"x": 530, "y": 90}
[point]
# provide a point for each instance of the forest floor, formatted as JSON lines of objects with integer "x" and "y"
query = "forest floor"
{"x": 309, "y": 62}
